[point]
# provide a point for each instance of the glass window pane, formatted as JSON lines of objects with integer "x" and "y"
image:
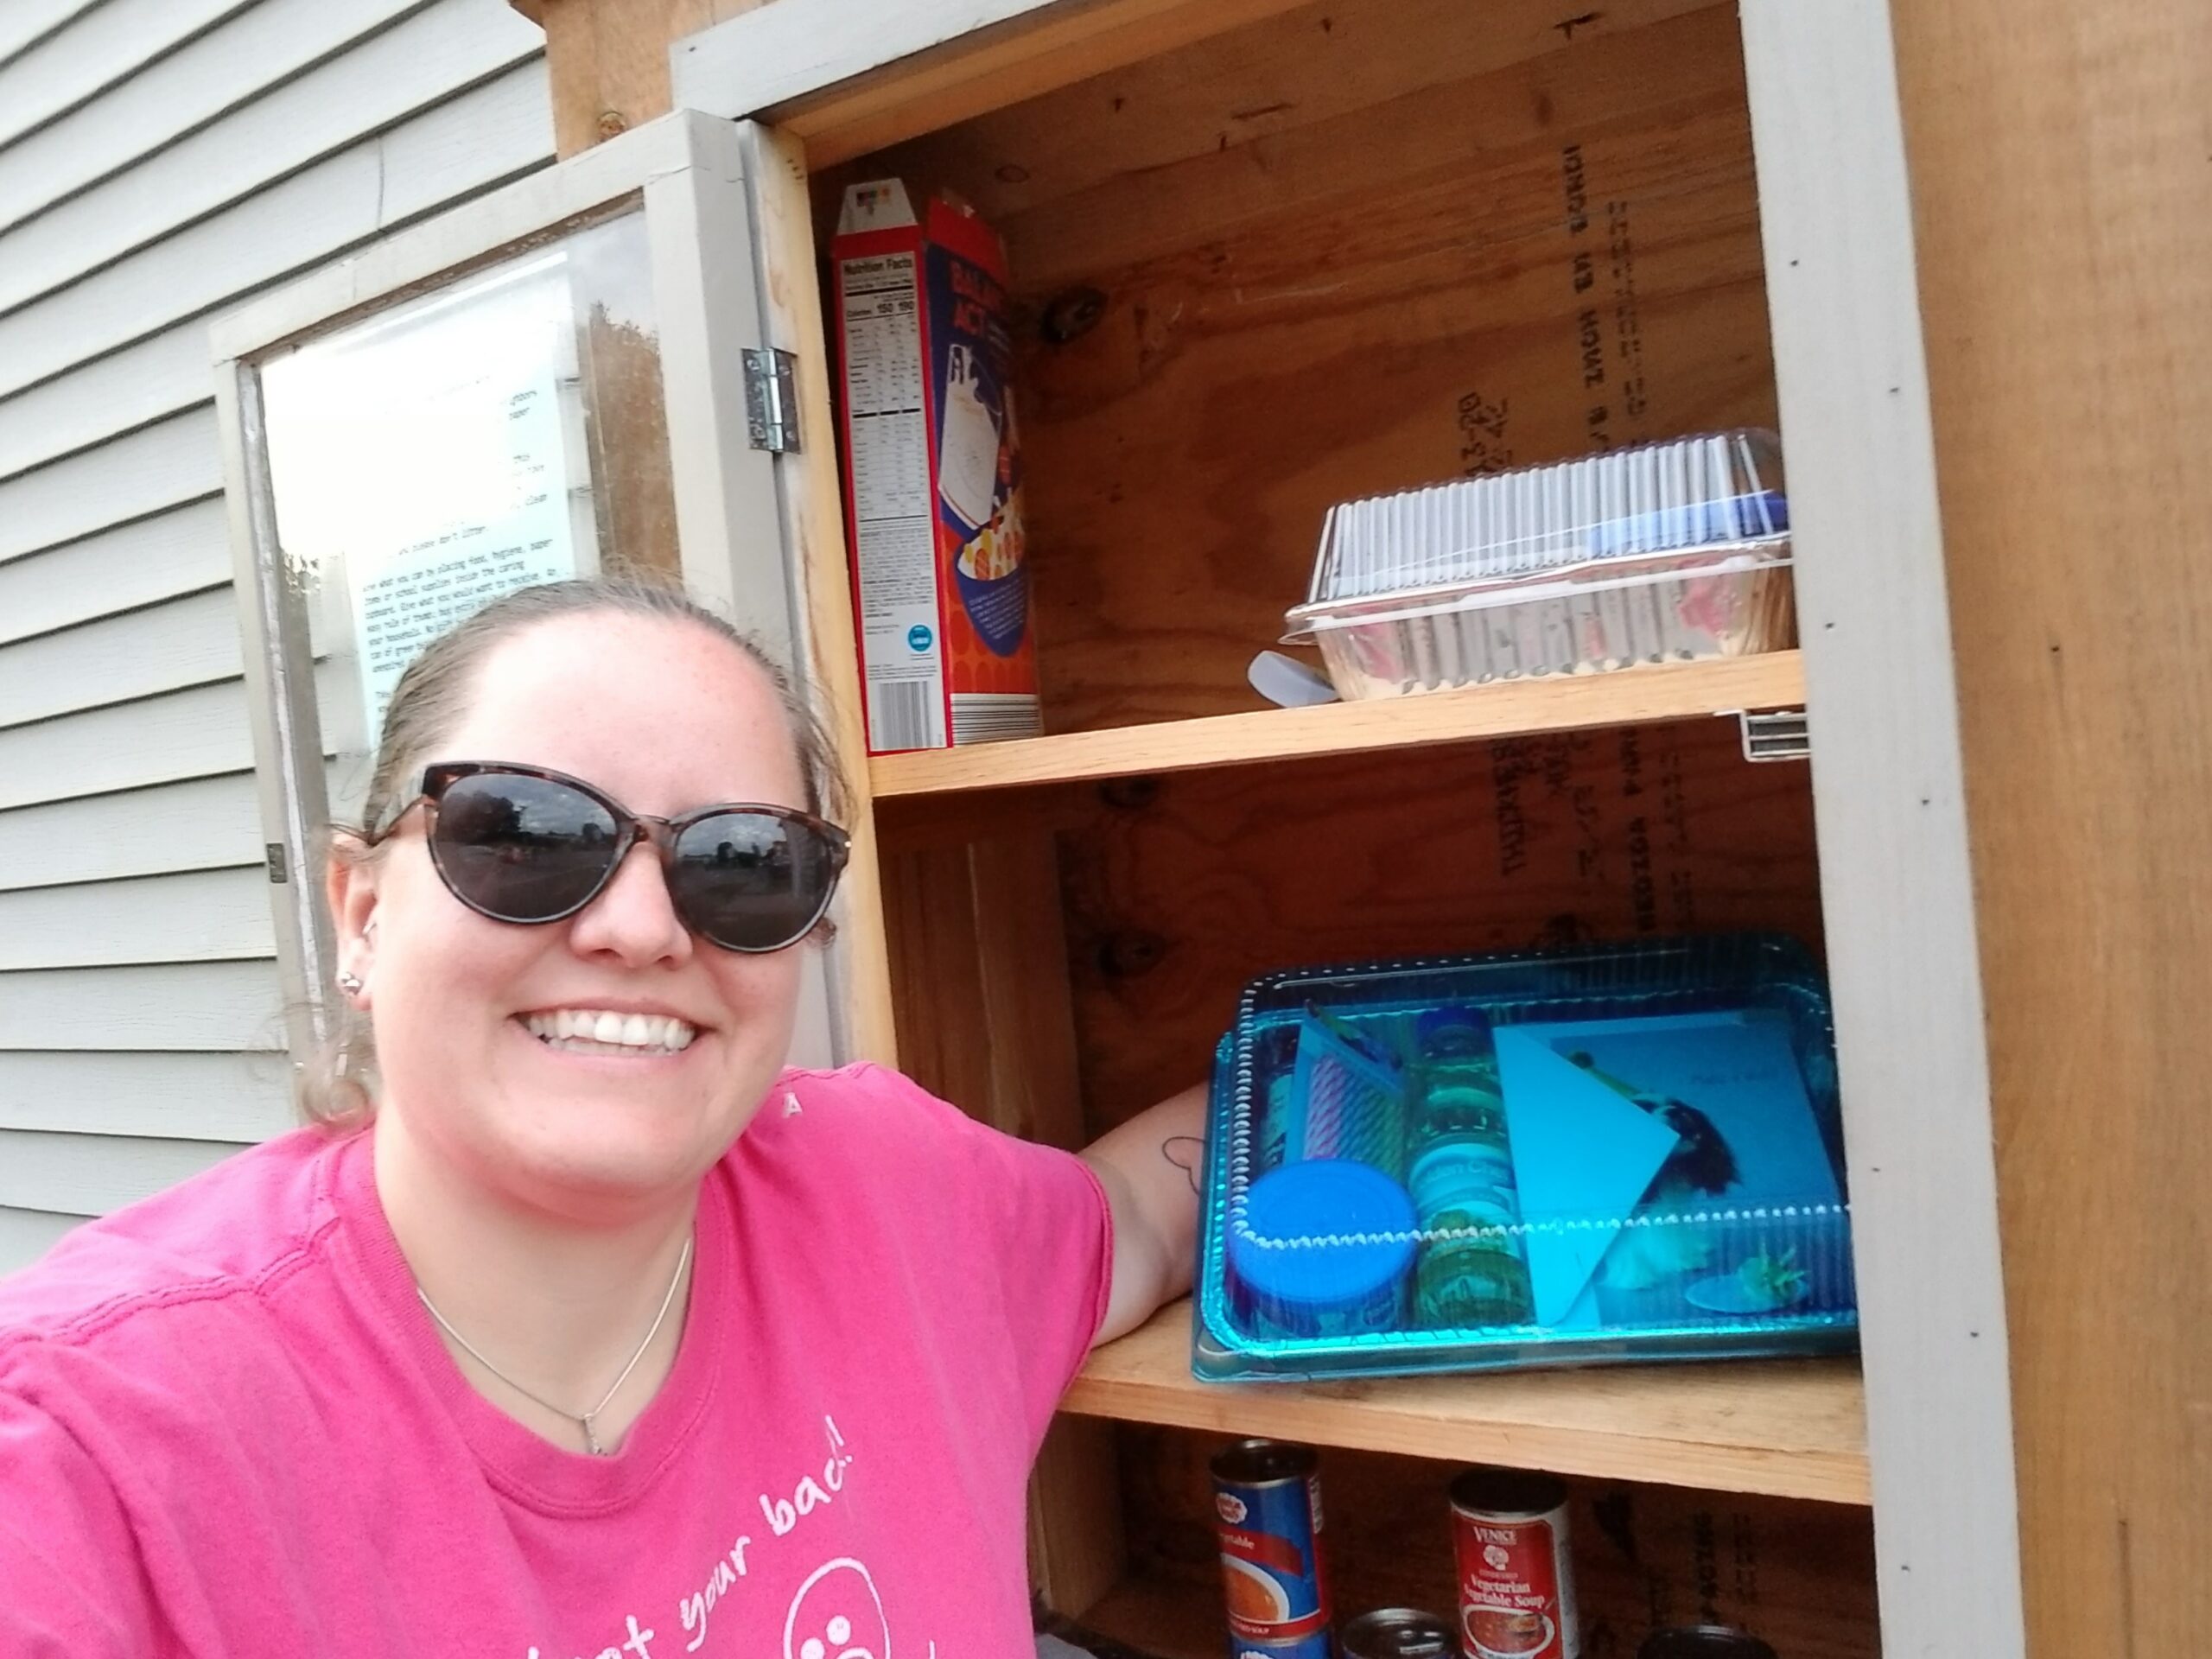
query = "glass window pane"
{"x": 505, "y": 430}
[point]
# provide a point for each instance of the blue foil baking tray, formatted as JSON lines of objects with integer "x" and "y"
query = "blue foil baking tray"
{"x": 1604, "y": 1153}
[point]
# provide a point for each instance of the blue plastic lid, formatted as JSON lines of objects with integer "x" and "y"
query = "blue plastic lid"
{"x": 1323, "y": 1198}
{"x": 1434, "y": 1022}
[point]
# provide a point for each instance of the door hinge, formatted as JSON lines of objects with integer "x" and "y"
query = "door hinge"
{"x": 1776, "y": 734}
{"x": 278, "y": 876}
{"x": 771, "y": 402}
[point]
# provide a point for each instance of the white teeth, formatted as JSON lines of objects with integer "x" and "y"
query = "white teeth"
{"x": 595, "y": 1030}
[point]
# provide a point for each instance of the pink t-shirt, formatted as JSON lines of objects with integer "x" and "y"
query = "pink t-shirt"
{"x": 227, "y": 1427}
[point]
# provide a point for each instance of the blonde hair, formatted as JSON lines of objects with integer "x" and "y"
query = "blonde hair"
{"x": 431, "y": 699}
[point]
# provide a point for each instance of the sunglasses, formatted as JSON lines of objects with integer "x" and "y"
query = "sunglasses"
{"x": 523, "y": 844}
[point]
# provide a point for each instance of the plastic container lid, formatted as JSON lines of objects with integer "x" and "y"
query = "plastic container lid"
{"x": 1398, "y": 1633}
{"x": 1712, "y": 489}
{"x": 1326, "y": 1232}
{"x": 1434, "y": 1022}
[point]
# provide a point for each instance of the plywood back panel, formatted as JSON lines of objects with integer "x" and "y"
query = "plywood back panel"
{"x": 1179, "y": 891}
{"x": 1407, "y": 264}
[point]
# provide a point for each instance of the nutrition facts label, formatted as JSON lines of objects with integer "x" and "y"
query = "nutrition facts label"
{"x": 892, "y": 509}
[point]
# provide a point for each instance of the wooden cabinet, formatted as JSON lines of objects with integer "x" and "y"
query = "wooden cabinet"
{"x": 1321, "y": 250}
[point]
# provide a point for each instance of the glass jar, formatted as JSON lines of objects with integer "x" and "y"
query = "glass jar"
{"x": 1473, "y": 1270}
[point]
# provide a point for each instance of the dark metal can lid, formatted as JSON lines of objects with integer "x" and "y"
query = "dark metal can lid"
{"x": 1506, "y": 1494}
{"x": 1260, "y": 1463}
{"x": 1703, "y": 1642}
{"x": 1397, "y": 1633}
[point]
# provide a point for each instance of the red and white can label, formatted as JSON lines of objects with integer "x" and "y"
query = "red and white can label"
{"x": 1270, "y": 1539}
{"x": 1516, "y": 1587}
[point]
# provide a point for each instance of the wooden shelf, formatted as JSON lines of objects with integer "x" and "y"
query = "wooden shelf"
{"x": 1509, "y": 708}
{"x": 1787, "y": 1428}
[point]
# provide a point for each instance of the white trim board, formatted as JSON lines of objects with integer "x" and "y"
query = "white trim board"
{"x": 761, "y": 59}
{"x": 1887, "y": 784}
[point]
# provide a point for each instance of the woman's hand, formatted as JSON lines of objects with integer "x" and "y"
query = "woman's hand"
{"x": 1150, "y": 1167}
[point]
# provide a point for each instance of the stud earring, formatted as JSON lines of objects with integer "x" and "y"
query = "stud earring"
{"x": 352, "y": 984}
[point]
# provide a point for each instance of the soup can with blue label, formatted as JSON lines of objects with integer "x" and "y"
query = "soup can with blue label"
{"x": 1267, "y": 1519}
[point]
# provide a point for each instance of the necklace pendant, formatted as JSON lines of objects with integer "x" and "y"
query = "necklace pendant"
{"x": 591, "y": 1435}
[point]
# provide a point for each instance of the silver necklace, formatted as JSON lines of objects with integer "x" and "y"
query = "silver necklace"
{"x": 588, "y": 1421}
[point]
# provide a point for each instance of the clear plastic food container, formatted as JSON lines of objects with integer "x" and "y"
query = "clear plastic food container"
{"x": 1613, "y": 1152}
{"x": 1667, "y": 552}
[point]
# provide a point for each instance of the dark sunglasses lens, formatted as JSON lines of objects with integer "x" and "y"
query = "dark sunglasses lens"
{"x": 754, "y": 881}
{"x": 522, "y": 849}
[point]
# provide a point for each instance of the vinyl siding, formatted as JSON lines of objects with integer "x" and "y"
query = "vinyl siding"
{"x": 160, "y": 162}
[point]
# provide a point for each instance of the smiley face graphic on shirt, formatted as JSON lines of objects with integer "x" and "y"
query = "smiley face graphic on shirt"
{"x": 837, "y": 1615}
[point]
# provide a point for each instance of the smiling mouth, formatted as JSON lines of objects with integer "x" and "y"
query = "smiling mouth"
{"x": 599, "y": 1031}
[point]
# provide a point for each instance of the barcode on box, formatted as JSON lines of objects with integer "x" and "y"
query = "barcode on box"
{"x": 982, "y": 717}
{"x": 905, "y": 714}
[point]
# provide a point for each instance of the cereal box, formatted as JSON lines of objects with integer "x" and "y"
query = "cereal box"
{"x": 932, "y": 455}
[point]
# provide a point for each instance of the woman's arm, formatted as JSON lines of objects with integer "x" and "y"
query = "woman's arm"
{"x": 1150, "y": 1167}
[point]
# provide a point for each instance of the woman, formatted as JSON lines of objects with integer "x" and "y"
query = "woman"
{"x": 603, "y": 1333}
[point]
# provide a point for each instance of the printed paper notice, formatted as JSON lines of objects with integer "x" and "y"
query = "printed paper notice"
{"x": 432, "y": 459}
{"x": 418, "y": 591}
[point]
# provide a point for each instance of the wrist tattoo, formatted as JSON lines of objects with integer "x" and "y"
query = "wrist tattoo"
{"x": 1184, "y": 1152}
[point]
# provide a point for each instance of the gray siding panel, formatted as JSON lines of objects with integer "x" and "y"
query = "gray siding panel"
{"x": 173, "y": 461}
{"x": 196, "y": 734}
{"x": 171, "y": 1097}
{"x": 142, "y": 653}
{"x": 205, "y": 916}
{"x": 274, "y": 43}
{"x": 495, "y": 132}
{"x": 161, "y": 161}
{"x": 204, "y": 823}
{"x": 392, "y": 76}
{"x": 207, "y": 824}
{"x": 23, "y": 24}
{"x": 100, "y": 47}
{"x": 120, "y": 392}
{"x": 184, "y": 550}
{"x": 226, "y": 1007}
{"x": 25, "y": 1235}
{"x": 91, "y": 1174}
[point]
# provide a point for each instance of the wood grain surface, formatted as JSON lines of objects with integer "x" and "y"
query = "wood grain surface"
{"x": 1785, "y": 1428}
{"x": 2068, "y": 305}
{"x": 608, "y": 60}
{"x": 1404, "y": 264}
{"x": 1179, "y": 891}
{"x": 1504, "y": 708}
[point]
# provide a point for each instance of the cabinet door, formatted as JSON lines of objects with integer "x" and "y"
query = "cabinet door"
{"x": 549, "y": 382}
